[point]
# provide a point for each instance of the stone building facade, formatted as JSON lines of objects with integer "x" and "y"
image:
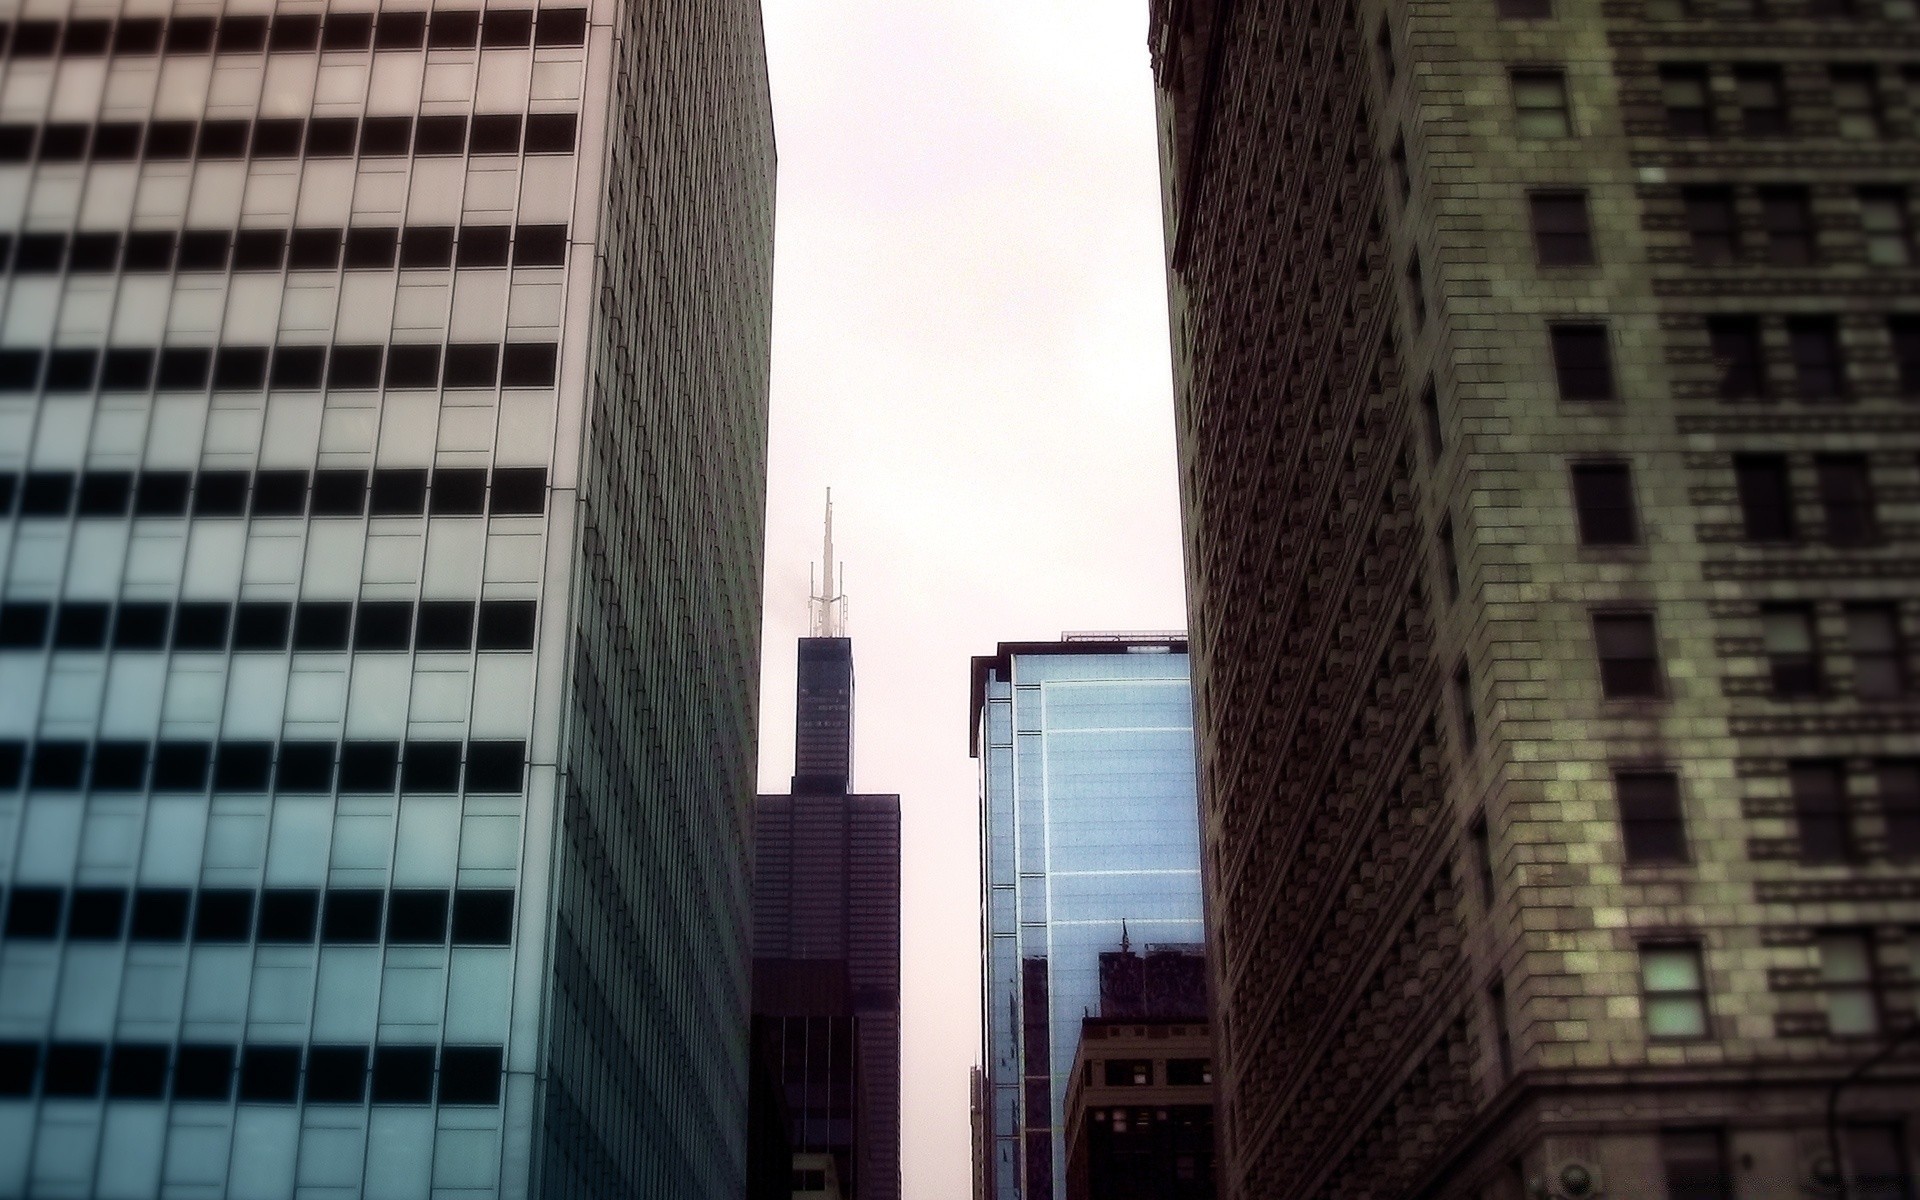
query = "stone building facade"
{"x": 1546, "y": 376}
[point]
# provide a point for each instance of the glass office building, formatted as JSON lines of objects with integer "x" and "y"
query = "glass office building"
{"x": 1089, "y": 834}
{"x": 382, "y": 448}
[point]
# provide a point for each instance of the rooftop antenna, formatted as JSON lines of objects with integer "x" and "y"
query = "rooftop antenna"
{"x": 827, "y": 603}
{"x": 1126, "y": 943}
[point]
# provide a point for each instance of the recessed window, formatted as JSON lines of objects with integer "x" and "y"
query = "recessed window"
{"x": 496, "y": 767}
{"x": 495, "y": 133}
{"x": 415, "y": 365}
{"x": 1502, "y": 1025}
{"x": 381, "y": 137}
{"x": 404, "y": 30}
{"x": 1480, "y": 835}
{"x": 141, "y": 626}
{"x": 34, "y": 912}
{"x": 1628, "y": 654}
{"x": 440, "y": 135}
{"x": 1687, "y": 99}
{"x": 1819, "y": 369}
{"x": 120, "y": 766}
{"x": 1903, "y": 334}
{"x": 162, "y": 494}
{"x": 294, "y": 32}
{"x": 19, "y": 1063}
{"x": 181, "y": 766}
{"x": 1582, "y": 361}
{"x": 81, "y": 626}
{"x": 1856, "y": 102}
{"x": 314, "y": 249}
{"x": 23, "y": 626}
{"x": 1762, "y": 95}
{"x": 321, "y": 625}
{"x": 59, "y": 766}
{"x": 298, "y": 368}
{"x": 472, "y": 365}
{"x": 426, "y": 246}
{"x": 280, "y": 493}
{"x": 1883, "y": 225}
{"x": 1820, "y": 810}
{"x": 484, "y": 245}
{"x": 444, "y": 625}
{"x": 551, "y": 133}
{"x": 1694, "y": 1162}
{"x": 1793, "y": 659}
{"x": 221, "y": 493}
{"x": 1430, "y": 414}
{"x": 97, "y": 914}
{"x": 73, "y": 1070}
{"x": 1674, "y": 990}
{"x": 354, "y": 368}
{"x": 1524, "y": 9}
{"x": 539, "y": 245}
{"x": 184, "y": 368}
{"x": 1540, "y": 104}
{"x": 1848, "y": 976}
{"x": 1787, "y": 214}
{"x": 1898, "y": 781}
{"x": 1739, "y": 357}
{"x": 1846, "y": 497}
{"x": 243, "y": 766}
{"x": 1562, "y": 232}
{"x": 1127, "y": 1072}
{"x": 529, "y": 364}
{"x": 1879, "y": 656}
{"x": 1764, "y": 484}
{"x": 260, "y": 249}
{"x": 339, "y": 492}
{"x": 1416, "y": 291}
{"x": 1877, "y": 1157}
{"x": 561, "y": 27}
{"x": 1449, "y": 557}
{"x": 459, "y": 491}
{"x": 1652, "y": 827}
{"x": 223, "y": 915}
{"x": 1712, "y": 226}
{"x": 1463, "y": 707}
{"x": 519, "y": 491}
{"x": 457, "y": 30}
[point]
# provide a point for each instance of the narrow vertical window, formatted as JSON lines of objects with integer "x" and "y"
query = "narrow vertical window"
{"x": 1673, "y": 989}
{"x": 1417, "y": 291}
{"x": 1793, "y": 658}
{"x": 1879, "y": 658}
{"x": 1739, "y": 357}
{"x": 1629, "y": 655}
{"x": 1430, "y": 411}
{"x": 1787, "y": 213}
{"x": 1688, "y": 101}
{"x": 1384, "y": 45}
{"x": 1819, "y": 791}
{"x": 1482, "y": 839}
{"x": 1898, "y": 784}
{"x": 1652, "y": 827}
{"x": 1712, "y": 227}
{"x": 1764, "y": 483}
{"x": 1847, "y": 973}
{"x": 1603, "y": 504}
{"x": 1903, "y": 335}
{"x": 1695, "y": 1164}
{"x": 1762, "y": 95}
{"x": 1463, "y": 707}
{"x": 1884, "y": 226}
{"x": 1846, "y": 497}
{"x": 1562, "y": 230}
{"x": 1819, "y": 369}
{"x": 1450, "y": 558}
{"x": 1856, "y": 102}
{"x": 1582, "y": 361}
{"x": 1502, "y": 1027}
{"x": 1540, "y": 104}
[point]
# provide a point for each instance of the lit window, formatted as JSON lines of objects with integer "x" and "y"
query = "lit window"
{"x": 1674, "y": 989}
{"x": 1847, "y": 973}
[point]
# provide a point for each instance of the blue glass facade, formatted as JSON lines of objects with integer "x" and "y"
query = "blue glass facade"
{"x": 1088, "y": 825}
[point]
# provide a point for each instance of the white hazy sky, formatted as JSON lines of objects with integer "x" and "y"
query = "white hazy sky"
{"x": 970, "y": 348}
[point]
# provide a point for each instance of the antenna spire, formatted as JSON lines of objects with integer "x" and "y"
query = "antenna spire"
{"x": 827, "y": 603}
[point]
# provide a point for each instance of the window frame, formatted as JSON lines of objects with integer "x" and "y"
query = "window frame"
{"x": 1604, "y": 525}
{"x": 1554, "y": 247}
{"x": 1649, "y": 685}
{"x": 1699, "y": 995}
{"x": 1525, "y": 82}
{"x": 1649, "y": 838}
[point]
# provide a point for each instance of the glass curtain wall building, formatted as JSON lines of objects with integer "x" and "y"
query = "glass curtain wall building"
{"x": 382, "y": 439}
{"x": 1089, "y": 834}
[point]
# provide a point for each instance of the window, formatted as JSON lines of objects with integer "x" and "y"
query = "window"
{"x": 223, "y": 915}
{"x": 1482, "y": 838}
{"x": 1847, "y": 973}
{"x": 138, "y": 1072}
{"x": 506, "y": 625}
{"x": 1846, "y": 495}
{"x": 1401, "y": 174}
{"x": 1603, "y": 504}
{"x": 1502, "y": 1027}
{"x": 1525, "y": 10}
{"x": 1416, "y": 291}
{"x": 1540, "y": 104}
{"x": 1787, "y": 214}
{"x": 1562, "y": 233}
{"x": 1383, "y": 46}
{"x": 1629, "y": 655}
{"x": 1463, "y": 706}
{"x": 483, "y": 917}
{"x": 1684, "y": 92}
{"x": 484, "y": 246}
{"x": 1695, "y": 1164}
{"x": 1739, "y": 359}
{"x": 1904, "y": 334}
{"x": 1877, "y": 1156}
{"x": 1450, "y": 558}
{"x": 1818, "y": 369}
{"x": 496, "y": 768}
{"x": 289, "y": 915}
{"x": 444, "y": 625}
{"x": 270, "y": 1073}
{"x": 1898, "y": 780}
{"x": 203, "y": 1073}
{"x": 417, "y": 917}
{"x": 1652, "y": 827}
{"x": 336, "y": 1074}
{"x": 470, "y": 1074}
{"x": 1128, "y": 1072}
{"x": 1879, "y": 660}
{"x": 430, "y": 767}
{"x": 1793, "y": 660}
{"x": 539, "y": 245}
{"x": 1582, "y": 361}
{"x": 1883, "y": 223}
{"x": 529, "y": 364}
{"x": 1765, "y": 487}
{"x": 1430, "y": 413}
{"x": 1762, "y": 95}
{"x": 1712, "y": 225}
{"x": 550, "y": 133}
{"x": 1674, "y": 990}
{"x": 1856, "y": 102}
{"x": 459, "y": 491}
{"x": 1189, "y": 1072}
{"x": 402, "y": 1074}
{"x": 1819, "y": 791}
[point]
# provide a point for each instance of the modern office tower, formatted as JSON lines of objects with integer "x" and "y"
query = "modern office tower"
{"x": 1088, "y": 835}
{"x": 1545, "y": 376}
{"x": 826, "y": 935}
{"x": 382, "y": 420}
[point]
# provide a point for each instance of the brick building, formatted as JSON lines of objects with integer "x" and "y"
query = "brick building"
{"x": 1546, "y": 378}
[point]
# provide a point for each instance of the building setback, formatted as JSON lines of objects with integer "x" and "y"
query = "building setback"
{"x": 382, "y": 456}
{"x": 826, "y": 949}
{"x": 1088, "y": 833}
{"x": 1545, "y": 375}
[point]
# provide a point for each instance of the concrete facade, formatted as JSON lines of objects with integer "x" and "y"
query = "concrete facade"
{"x": 1445, "y": 965}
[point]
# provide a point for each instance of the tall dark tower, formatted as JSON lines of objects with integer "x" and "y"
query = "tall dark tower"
{"x": 826, "y": 945}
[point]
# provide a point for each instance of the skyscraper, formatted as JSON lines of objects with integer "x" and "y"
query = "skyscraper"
{"x": 382, "y": 435}
{"x": 826, "y": 931}
{"x": 1544, "y": 380}
{"x": 1088, "y": 835}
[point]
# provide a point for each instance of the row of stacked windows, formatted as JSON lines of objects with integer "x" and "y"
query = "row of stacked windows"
{"x": 359, "y": 767}
{"x": 329, "y": 492}
{"x": 242, "y": 33}
{"x": 270, "y": 625}
{"x": 357, "y": 248}
{"x": 1829, "y": 819}
{"x": 290, "y": 137}
{"x": 396, "y": 367}
{"x": 256, "y": 1074}
{"x": 274, "y": 916}
{"x": 1738, "y": 343}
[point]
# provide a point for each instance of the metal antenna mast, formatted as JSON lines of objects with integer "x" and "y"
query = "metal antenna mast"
{"x": 827, "y": 603}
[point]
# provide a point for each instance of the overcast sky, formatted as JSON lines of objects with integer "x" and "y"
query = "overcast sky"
{"x": 970, "y": 348}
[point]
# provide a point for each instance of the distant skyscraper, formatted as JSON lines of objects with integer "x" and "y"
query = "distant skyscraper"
{"x": 1546, "y": 376}
{"x": 1088, "y": 825}
{"x": 826, "y": 950}
{"x": 382, "y": 436}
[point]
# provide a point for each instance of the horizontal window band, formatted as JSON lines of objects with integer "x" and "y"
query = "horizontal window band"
{"x": 271, "y": 916}
{"x": 294, "y": 767}
{"x": 255, "y": 1073}
{"x": 133, "y": 37}
{"x": 271, "y": 626}
{"x": 290, "y": 137}
{"x": 328, "y": 492}
{"x": 356, "y": 248}
{"x": 401, "y": 366}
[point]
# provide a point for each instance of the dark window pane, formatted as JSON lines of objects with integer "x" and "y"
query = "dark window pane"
{"x": 497, "y": 768}
{"x": 243, "y": 766}
{"x": 472, "y": 365}
{"x": 184, "y": 368}
{"x": 270, "y": 1074}
{"x": 383, "y": 625}
{"x": 417, "y": 917}
{"x": 369, "y": 766}
{"x": 484, "y": 245}
{"x": 199, "y": 626}
{"x": 431, "y": 767}
{"x": 34, "y": 912}
{"x": 519, "y": 491}
{"x": 1904, "y": 334}
{"x": 454, "y": 30}
{"x": 314, "y": 249}
{"x": 97, "y": 914}
{"x": 117, "y": 141}
{"x": 1819, "y": 791}
{"x": 106, "y": 493}
{"x": 203, "y": 1073}
{"x": 1695, "y": 1163}
{"x": 506, "y": 625}
{"x": 561, "y": 27}
{"x": 150, "y": 250}
{"x": 171, "y": 140}
{"x": 63, "y": 143}
{"x": 224, "y": 139}
{"x": 23, "y": 625}
{"x": 220, "y": 494}
{"x": 372, "y": 246}
{"x": 120, "y": 766}
{"x": 73, "y": 1070}
{"x": 1738, "y": 357}
{"x": 322, "y": 625}
{"x": 384, "y": 137}
{"x": 540, "y": 245}
{"x": 399, "y": 492}
{"x": 13, "y": 757}
{"x": 495, "y": 133}
{"x": 289, "y": 915}
{"x": 1562, "y": 235}
{"x": 470, "y": 1075}
{"x": 440, "y": 135}
{"x": 19, "y": 370}
{"x": 259, "y": 249}
{"x": 205, "y": 249}
{"x": 426, "y": 246}
{"x": 483, "y": 917}
{"x": 304, "y": 767}
{"x": 47, "y": 494}
{"x": 280, "y": 493}
{"x": 242, "y": 34}
{"x": 138, "y": 35}
{"x": 39, "y": 253}
{"x": 35, "y": 39}
{"x": 59, "y": 766}
{"x": 298, "y": 368}
{"x": 550, "y": 133}
{"x": 339, "y": 493}
{"x": 127, "y": 369}
{"x": 181, "y": 766}
{"x": 1819, "y": 370}
{"x": 1846, "y": 495}
{"x": 354, "y": 367}
{"x": 509, "y": 27}
{"x": 81, "y": 626}
{"x": 332, "y": 137}
{"x": 444, "y": 625}
{"x": 1711, "y": 225}
{"x": 529, "y": 364}
{"x": 337, "y": 1074}
{"x": 1787, "y": 214}
{"x": 295, "y": 31}
{"x": 459, "y": 491}
{"x": 1629, "y": 659}
{"x": 223, "y": 915}
{"x": 413, "y": 366}
{"x": 403, "y": 1075}
{"x": 142, "y": 626}
{"x": 278, "y": 137}
{"x": 94, "y": 252}
{"x": 160, "y": 914}
{"x": 1582, "y": 361}
{"x": 352, "y": 916}
{"x": 71, "y": 370}
{"x": 400, "y": 31}
{"x": 19, "y": 1063}
{"x": 1651, "y": 826}
{"x": 1899, "y": 787}
{"x": 240, "y": 368}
